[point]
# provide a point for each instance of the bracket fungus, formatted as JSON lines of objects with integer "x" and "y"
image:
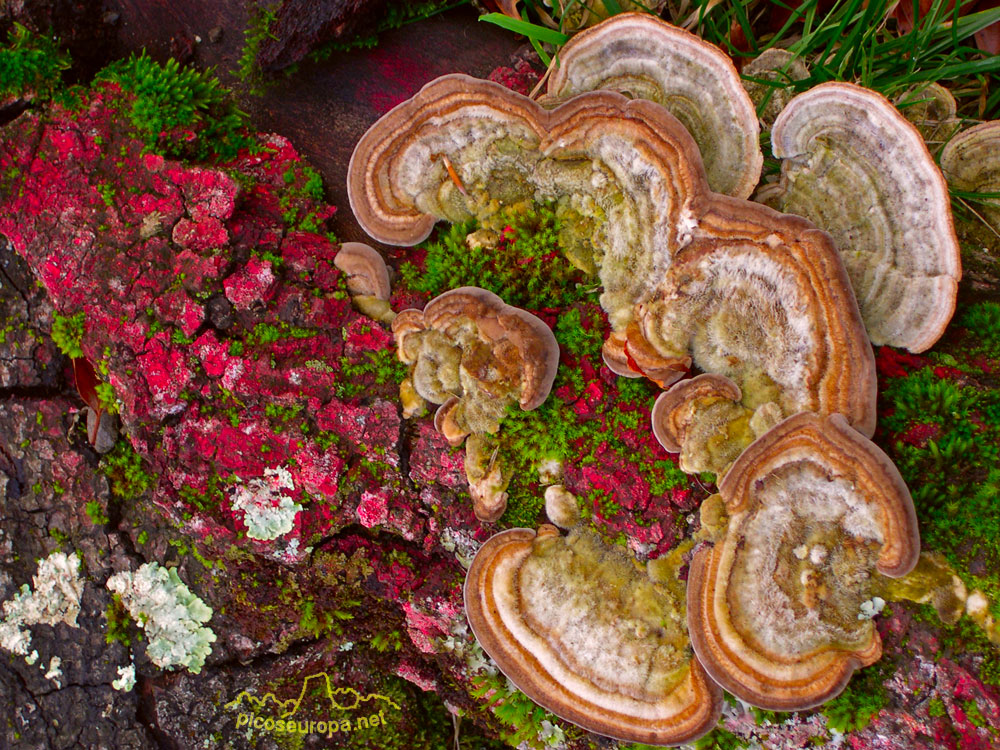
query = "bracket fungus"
{"x": 776, "y": 608}
{"x": 644, "y": 57}
{"x": 475, "y": 356}
{"x": 585, "y": 633}
{"x": 852, "y": 164}
{"x": 629, "y": 186}
{"x": 772, "y": 75}
{"x": 625, "y": 175}
{"x": 703, "y": 420}
{"x": 933, "y": 111}
{"x": 971, "y": 161}
{"x": 761, "y": 301}
{"x": 367, "y": 279}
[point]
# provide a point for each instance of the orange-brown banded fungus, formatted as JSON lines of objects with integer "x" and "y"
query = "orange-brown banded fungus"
{"x": 625, "y": 176}
{"x": 644, "y": 57}
{"x": 852, "y": 164}
{"x": 762, "y": 300}
{"x": 587, "y": 635}
{"x": 779, "y": 608}
{"x": 475, "y": 356}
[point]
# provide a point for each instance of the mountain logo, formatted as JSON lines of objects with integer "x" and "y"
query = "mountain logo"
{"x": 270, "y": 713}
{"x": 350, "y": 701}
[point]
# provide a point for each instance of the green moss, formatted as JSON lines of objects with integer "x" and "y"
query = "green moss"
{"x": 526, "y": 268}
{"x": 268, "y": 333}
{"x": 863, "y": 697}
{"x": 720, "y": 739}
{"x": 258, "y": 29}
{"x": 936, "y": 707}
{"x": 382, "y": 366}
{"x": 67, "y": 334}
{"x": 955, "y": 476}
{"x": 30, "y": 65}
{"x": 983, "y": 321}
{"x": 304, "y": 186}
{"x": 926, "y": 398}
{"x": 578, "y": 339}
{"x": 207, "y": 499}
{"x": 177, "y": 337}
{"x": 96, "y": 513}
{"x": 123, "y": 467}
{"x": 120, "y": 626}
{"x": 170, "y": 98}
{"x": 60, "y": 538}
{"x": 973, "y": 714}
{"x": 106, "y": 395}
{"x": 383, "y": 642}
{"x": 520, "y": 716}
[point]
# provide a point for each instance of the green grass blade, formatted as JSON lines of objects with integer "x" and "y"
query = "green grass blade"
{"x": 971, "y": 67}
{"x": 612, "y": 7}
{"x": 740, "y": 11}
{"x": 973, "y": 195}
{"x": 530, "y": 30}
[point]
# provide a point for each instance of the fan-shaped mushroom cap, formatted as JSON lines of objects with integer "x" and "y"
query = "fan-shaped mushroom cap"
{"x": 366, "y": 272}
{"x": 586, "y": 635}
{"x": 644, "y": 57}
{"x": 626, "y": 175}
{"x": 471, "y": 351}
{"x": 669, "y": 425}
{"x": 775, "y": 609}
{"x": 859, "y": 170}
{"x": 405, "y": 323}
{"x": 497, "y": 322}
{"x": 971, "y": 161}
{"x": 932, "y": 109}
{"x": 763, "y": 300}
{"x": 780, "y": 67}
{"x": 446, "y": 424}
{"x": 642, "y": 356}
{"x": 614, "y": 356}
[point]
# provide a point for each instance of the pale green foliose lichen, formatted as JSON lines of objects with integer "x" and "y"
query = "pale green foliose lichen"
{"x": 55, "y": 598}
{"x": 126, "y": 679}
{"x": 267, "y": 512}
{"x": 172, "y": 616}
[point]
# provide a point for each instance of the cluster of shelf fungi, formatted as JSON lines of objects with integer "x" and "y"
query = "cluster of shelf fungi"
{"x": 646, "y": 144}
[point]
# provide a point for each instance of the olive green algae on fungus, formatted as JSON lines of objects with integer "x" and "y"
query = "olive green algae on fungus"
{"x": 588, "y": 635}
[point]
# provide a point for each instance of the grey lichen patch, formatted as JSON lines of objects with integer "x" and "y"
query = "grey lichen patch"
{"x": 53, "y": 598}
